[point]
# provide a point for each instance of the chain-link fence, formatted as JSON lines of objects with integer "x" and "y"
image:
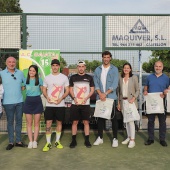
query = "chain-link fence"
{"x": 84, "y": 36}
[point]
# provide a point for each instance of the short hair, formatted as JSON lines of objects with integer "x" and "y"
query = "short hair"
{"x": 106, "y": 53}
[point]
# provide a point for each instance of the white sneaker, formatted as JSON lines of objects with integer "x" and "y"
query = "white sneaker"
{"x": 98, "y": 141}
{"x": 34, "y": 145}
{"x": 131, "y": 144}
{"x": 126, "y": 141}
{"x": 115, "y": 143}
{"x": 30, "y": 145}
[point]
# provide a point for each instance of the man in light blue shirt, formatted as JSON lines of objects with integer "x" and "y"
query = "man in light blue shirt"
{"x": 12, "y": 80}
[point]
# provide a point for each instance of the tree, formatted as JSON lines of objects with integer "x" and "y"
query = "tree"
{"x": 118, "y": 63}
{"x": 63, "y": 63}
{"x": 10, "y": 6}
{"x": 162, "y": 55}
{"x": 149, "y": 67}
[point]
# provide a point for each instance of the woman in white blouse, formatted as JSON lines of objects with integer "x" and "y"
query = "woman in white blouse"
{"x": 128, "y": 89}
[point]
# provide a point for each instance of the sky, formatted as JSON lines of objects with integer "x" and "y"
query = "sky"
{"x": 96, "y": 6}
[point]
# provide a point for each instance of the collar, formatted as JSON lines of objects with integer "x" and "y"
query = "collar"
{"x": 15, "y": 70}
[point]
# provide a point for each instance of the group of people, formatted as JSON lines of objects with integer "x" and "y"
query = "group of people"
{"x": 107, "y": 83}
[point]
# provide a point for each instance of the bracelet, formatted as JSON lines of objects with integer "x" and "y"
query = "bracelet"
{"x": 74, "y": 97}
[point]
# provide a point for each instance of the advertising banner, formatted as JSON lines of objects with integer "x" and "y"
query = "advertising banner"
{"x": 137, "y": 31}
{"x": 41, "y": 58}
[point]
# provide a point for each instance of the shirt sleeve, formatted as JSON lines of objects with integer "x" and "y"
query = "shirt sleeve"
{"x": 40, "y": 82}
{"x": 45, "y": 82}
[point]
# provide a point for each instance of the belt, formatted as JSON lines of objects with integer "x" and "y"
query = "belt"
{"x": 124, "y": 98}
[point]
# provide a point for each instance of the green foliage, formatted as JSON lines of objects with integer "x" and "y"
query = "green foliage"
{"x": 162, "y": 55}
{"x": 91, "y": 66}
{"x": 72, "y": 66}
{"x": 63, "y": 63}
{"x": 10, "y": 6}
{"x": 149, "y": 67}
{"x": 118, "y": 63}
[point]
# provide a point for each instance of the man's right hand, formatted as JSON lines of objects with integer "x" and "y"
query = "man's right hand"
{"x": 102, "y": 96}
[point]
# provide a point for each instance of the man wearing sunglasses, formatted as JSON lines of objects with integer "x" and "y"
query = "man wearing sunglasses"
{"x": 12, "y": 80}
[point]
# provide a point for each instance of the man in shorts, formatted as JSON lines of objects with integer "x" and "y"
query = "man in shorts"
{"x": 81, "y": 88}
{"x": 55, "y": 90}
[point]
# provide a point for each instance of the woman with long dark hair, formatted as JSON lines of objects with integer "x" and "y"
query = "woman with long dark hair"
{"x": 33, "y": 104}
{"x": 128, "y": 89}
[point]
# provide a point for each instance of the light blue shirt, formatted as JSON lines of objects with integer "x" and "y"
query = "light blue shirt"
{"x": 12, "y": 86}
{"x": 31, "y": 89}
{"x": 111, "y": 81}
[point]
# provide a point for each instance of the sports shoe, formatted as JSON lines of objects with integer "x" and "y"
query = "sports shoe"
{"x": 47, "y": 147}
{"x": 115, "y": 143}
{"x": 34, "y": 145}
{"x": 131, "y": 144}
{"x": 87, "y": 144}
{"x": 126, "y": 141}
{"x": 73, "y": 144}
{"x": 30, "y": 145}
{"x": 58, "y": 145}
{"x": 163, "y": 143}
{"x": 98, "y": 141}
{"x": 149, "y": 142}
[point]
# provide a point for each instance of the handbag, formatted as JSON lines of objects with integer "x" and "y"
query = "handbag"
{"x": 154, "y": 103}
{"x": 103, "y": 109}
{"x": 130, "y": 112}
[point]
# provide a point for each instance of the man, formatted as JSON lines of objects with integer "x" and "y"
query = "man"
{"x": 156, "y": 82}
{"x": 12, "y": 80}
{"x": 55, "y": 90}
{"x": 106, "y": 82}
{"x": 81, "y": 89}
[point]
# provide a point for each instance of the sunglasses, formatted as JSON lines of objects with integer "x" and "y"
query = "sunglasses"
{"x": 13, "y": 76}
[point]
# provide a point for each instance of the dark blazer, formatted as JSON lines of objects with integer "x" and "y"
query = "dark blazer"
{"x": 133, "y": 89}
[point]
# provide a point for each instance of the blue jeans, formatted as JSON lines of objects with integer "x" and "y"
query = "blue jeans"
{"x": 14, "y": 110}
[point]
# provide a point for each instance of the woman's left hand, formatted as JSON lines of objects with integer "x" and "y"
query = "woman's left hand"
{"x": 132, "y": 100}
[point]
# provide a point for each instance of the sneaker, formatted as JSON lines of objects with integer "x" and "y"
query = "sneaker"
{"x": 30, "y": 145}
{"x": 87, "y": 144}
{"x": 10, "y": 146}
{"x": 98, "y": 141}
{"x": 115, "y": 143}
{"x": 126, "y": 141}
{"x": 58, "y": 145}
{"x": 131, "y": 144}
{"x": 34, "y": 145}
{"x": 21, "y": 144}
{"x": 163, "y": 143}
{"x": 73, "y": 144}
{"x": 47, "y": 147}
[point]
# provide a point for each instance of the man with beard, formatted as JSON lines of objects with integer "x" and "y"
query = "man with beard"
{"x": 81, "y": 88}
{"x": 106, "y": 82}
{"x": 156, "y": 82}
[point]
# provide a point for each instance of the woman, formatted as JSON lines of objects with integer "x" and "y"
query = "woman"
{"x": 128, "y": 89}
{"x": 33, "y": 104}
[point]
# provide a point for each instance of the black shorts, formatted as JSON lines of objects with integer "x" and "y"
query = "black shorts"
{"x": 79, "y": 112}
{"x": 54, "y": 113}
